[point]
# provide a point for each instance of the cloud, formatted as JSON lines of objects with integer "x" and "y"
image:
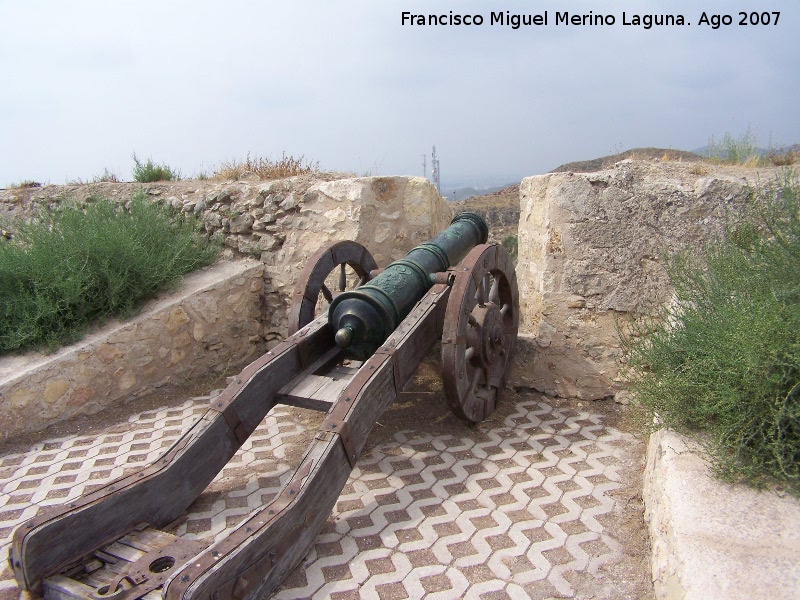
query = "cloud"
{"x": 343, "y": 82}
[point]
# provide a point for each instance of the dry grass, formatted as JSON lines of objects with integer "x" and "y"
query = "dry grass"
{"x": 265, "y": 168}
{"x": 784, "y": 157}
{"x": 26, "y": 184}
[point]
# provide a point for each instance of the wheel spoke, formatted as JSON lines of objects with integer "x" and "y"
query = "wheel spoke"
{"x": 472, "y": 384}
{"x": 469, "y": 353}
{"x": 363, "y": 280}
{"x": 505, "y": 309}
{"x": 327, "y": 293}
{"x": 342, "y": 278}
{"x": 494, "y": 293}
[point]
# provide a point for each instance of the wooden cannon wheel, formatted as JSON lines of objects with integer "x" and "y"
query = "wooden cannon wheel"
{"x": 480, "y": 331}
{"x": 311, "y": 282}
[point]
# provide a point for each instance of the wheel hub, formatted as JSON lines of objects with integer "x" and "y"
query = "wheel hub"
{"x": 487, "y": 335}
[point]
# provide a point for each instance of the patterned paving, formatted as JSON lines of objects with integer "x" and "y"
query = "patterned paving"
{"x": 512, "y": 509}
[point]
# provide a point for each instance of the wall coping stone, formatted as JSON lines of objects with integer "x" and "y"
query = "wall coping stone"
{"x": 711, "y": 539}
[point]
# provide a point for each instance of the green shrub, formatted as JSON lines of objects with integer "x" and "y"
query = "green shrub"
{"x": 149, "y": 171}
{"x": 723, "y": 362}
{"x": 511, "y": 244}
{"x": 78, "y": 263}
{"x": 736, "y": 151}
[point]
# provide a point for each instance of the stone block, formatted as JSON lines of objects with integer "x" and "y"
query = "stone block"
{"x": 715, "y": 540}
{"x": 590, "y": 247}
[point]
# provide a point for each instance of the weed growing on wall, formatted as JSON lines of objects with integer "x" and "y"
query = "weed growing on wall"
{"x": 265, "y": 168}
{"x": 147, "y": 172}
{"x": 27, "y": 183}
{"x": 80, "y": 262}
{"x": 723, "y": 362}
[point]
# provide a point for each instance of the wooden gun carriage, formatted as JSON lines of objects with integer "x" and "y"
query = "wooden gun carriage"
{"x": 351, "y": 362}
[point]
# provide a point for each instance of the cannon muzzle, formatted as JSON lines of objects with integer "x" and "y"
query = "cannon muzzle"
{"x": 363, "y": 318}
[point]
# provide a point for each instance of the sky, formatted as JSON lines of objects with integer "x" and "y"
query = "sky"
{"x": 193, "y": 83}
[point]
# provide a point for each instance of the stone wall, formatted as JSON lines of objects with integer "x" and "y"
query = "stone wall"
{"x": 591, "y": 255}
{"x": 388, "y": 215}
{"x": 279, "y": 223}
{"x": 212, "y": 322}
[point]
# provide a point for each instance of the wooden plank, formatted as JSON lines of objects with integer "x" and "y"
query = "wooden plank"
{"x": 149, "y": 539}
{"x": 303, "y": 387}
{"x": 303, "y": 390}
{"x": 59, "y": 587}
{"x": 134, "y": 543}
{"x": 318, "y": 387}
{"x": 106, "y": 558}
{"x": 331, "y": 389}
{"x": 317, "y": 391}
{"x": 340, "y": 371}
{"x": 309, "y": 403}
{"x": 111, "y": 570}
{"x": 124, "y": 552}
{"x": 92, "y": 566}
{"x": 100, "y": 578}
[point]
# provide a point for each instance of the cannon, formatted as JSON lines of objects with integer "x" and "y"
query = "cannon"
{"x": 350, "y": 352}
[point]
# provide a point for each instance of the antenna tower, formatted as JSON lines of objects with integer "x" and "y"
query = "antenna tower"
{"x": 435, "y": 169}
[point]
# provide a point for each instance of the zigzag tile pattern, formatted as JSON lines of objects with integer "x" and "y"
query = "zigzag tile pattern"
{"x": 511, "y": 510}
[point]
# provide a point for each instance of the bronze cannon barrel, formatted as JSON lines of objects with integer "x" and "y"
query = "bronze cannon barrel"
{"x": 363, "y": 318}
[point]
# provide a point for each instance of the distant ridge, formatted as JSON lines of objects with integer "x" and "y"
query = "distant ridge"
{"x": 598, "y": 164}
{"x": 465, "y": 192}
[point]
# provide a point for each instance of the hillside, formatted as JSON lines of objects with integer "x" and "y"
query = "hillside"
{"x": 598, "y": 164}
{"x": 500, "y": 209}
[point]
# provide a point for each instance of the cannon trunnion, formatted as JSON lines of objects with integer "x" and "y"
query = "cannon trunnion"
{"x": 350, "y": 352}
